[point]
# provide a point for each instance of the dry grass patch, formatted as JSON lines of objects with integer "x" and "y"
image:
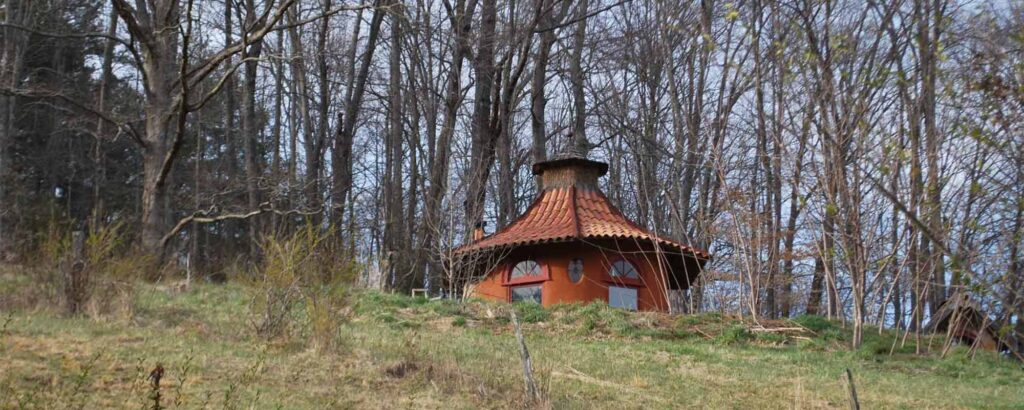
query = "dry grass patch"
{"x": 392, "y": 351}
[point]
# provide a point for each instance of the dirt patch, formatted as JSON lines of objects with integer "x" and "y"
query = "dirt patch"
{"x": 400, "y": 369}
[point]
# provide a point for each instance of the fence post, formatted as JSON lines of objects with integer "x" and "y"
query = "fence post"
{"x": 75, "y": 282}
{"x": 854, "y": 403}
{"x": 532, "y": 394}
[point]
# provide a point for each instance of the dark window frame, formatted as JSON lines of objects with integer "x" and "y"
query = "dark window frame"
{"x": 583, "y": 270}
{"x": 623, "y": 286}
{"x": 540, "y": 292}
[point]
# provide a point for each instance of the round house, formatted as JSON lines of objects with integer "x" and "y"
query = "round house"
{"x": 573, "y": 245}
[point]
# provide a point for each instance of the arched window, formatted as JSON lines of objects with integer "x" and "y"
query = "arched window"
{"x": 623, "y": 269}
{"x": 524, "y": 269}
{"x": 528, "y": 277}
{"x": 576, "y": 270}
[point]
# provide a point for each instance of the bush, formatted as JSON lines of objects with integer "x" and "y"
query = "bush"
{"x": 771, "y": 338}
{"x": 734, "y": 334}
{"x": 445, "y": 307}
{"x": 874, "y": 344}
{"x": 814, "y": 323}
{"x": 459, "y": 321}
{"x": 599, "y": 316}
{"x": 323, "y": 313}
{"x": 832, "y": 335}
{"x": 91, "y": 273}
{"x": 699, "y": 319}
{"x": 871, "y": 348}
{"x": 588, "y": 325}
{"x": 531, "y": 312}
{"x": 308, "y": 268}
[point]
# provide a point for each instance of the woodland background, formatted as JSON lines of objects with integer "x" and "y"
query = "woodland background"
{"x": 856, "y": 159}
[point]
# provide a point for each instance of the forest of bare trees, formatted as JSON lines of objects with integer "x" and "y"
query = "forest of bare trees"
{"x": 862, "y": 160}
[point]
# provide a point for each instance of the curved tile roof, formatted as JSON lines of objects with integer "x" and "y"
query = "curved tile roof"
{"x": 572, "y": 213}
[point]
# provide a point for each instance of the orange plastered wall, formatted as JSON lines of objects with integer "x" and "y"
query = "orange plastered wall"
{"x": 559, "y": 288}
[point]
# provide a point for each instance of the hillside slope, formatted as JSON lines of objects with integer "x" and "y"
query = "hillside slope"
{"x": 385, "y": 351}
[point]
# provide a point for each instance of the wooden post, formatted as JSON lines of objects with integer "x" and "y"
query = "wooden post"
{"x": 154, "y": 378}
{"x": 532, "y": 394}
{"x": 74, "y": 274}
{"x": 854, "y": 403}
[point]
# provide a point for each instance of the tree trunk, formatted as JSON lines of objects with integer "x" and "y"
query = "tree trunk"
{"x": 342, "y": 153}
{"x": 503, "y": 149}
{"x": 579, "y": 127}
{"x": 276, "y": 176}
{"x": 461, "y": 20}
{"x": 15, "y": 11}
{"x": 394, "y": 237}
{"x": 794, "y": 214}
{"x": 300, "y": 96}
{"x": 928, "y": 38}
{"x": 230, "y": 105}
{"x": 538, "y": 98}
{"x": 483, "y": 135}
{"x": 249, "y": 128}
{"x": 817, "y": 281}
{"x": 106, "y": 77}
{"x": 161, "y": 47}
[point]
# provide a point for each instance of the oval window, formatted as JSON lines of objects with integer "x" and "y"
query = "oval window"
{"x": 623, "y": 269}
{"x": 525, "y": 268}
{"x": 576, "y": 270}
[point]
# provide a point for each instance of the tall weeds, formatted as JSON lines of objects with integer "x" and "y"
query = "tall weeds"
{"x": 95, "y": 278}
{"x": 301, "y": 287}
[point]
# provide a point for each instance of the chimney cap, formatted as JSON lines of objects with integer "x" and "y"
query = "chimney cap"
{"x": 561, "y": 162}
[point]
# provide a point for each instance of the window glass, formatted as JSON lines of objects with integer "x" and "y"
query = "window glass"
{"x": 525, "y": 268}
{"x": 576, "y": 270}
{"x": 622, "y": 297}
{"x": 623, "y": 269}
{"x": 526, "y": 294}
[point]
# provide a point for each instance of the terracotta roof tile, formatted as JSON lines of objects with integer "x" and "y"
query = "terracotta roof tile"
{"x": 563, "y": 214}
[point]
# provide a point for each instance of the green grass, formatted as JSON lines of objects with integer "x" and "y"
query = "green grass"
{"x": 400, "y": 352}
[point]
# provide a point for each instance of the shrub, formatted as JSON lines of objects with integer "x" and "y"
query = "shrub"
{"x": 599, "y": 316}
{"x": 699, "y": 319}
{"x": 831, "y": 335}
{"x": 445, "y": 308}
{"x": 734, "y": 334}
{"x": 308, "y": 268}
{"x": 323, "y": 312}
{"x": 874, "y": 344}
{"x": 531, "y": 312}
{"x": 459, "y": 321}
{"x": 90, "y": 273}
{"x": 588, "y": 325}
{"x": 814, "y": 323}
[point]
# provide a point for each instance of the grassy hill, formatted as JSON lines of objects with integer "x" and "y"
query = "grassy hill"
{"x": 362, "y": 349}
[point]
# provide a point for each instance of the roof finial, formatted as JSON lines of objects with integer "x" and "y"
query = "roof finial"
{"x": 577, "y": 145}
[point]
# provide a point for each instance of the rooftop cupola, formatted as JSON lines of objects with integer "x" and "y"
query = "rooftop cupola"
{"x": 571, "y": 167}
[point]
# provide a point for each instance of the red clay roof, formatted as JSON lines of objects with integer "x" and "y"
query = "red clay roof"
{"x": 564, "y": 214}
